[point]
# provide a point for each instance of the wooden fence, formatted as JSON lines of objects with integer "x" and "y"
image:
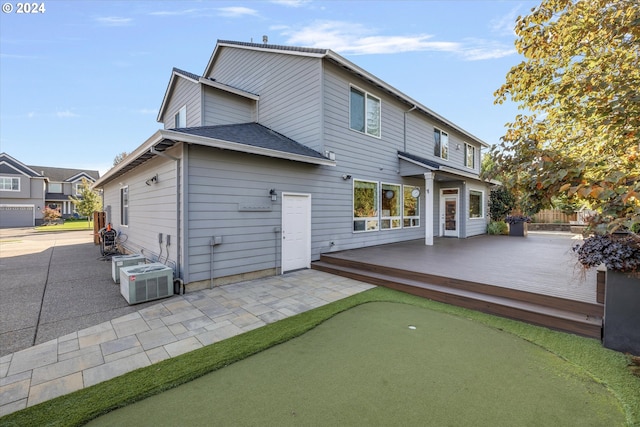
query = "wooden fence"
{"x": 554, "y": 216}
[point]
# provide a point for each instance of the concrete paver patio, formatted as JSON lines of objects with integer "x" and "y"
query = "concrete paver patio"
{"x": 165, "y": 329}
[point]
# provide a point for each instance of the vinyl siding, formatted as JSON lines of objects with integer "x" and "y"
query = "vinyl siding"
{"x": 222, "y": 108}
{"x": 476, "y": 226}
{"x": 152, "y": 209}
{"x": 184, "y": 93}
{"x": 289, "y": 87}
{"x": 221, "y": 180}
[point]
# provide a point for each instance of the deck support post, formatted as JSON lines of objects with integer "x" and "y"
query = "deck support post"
{"x": 428, "y": 208}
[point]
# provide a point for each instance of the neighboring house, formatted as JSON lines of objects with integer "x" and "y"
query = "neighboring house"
{"x": 26, "y": 190}
{"x": 277, "y": 154}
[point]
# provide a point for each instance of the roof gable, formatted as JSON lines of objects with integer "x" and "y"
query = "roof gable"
{"x": 10, "y": 165}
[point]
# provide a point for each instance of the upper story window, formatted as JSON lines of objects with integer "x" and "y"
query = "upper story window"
{"x": 9, "y": 183}
{"x": 79, "y": 188}
{"x": 364, "y": 112}
{"x": 55, "y": 187}
{"x": 469, "y": 156}
{"x": 124, "y": 206}
{"x": 180, "y": 119}
{"x": 441, "y": 146}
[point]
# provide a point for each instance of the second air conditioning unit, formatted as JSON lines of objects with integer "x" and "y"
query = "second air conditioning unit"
{"x": 119, "y": 261}
{"x": 140, "y": 283}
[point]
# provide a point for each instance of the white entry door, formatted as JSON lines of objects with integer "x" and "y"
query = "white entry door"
{"x": 296, "y": 231}
{"x": 449, "y": 212}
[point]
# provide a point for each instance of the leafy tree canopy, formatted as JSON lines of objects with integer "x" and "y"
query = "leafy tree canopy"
{"x": 88, "y": 201}
{"x": 579, "y": 88}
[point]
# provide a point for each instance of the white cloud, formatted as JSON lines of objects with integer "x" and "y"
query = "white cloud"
{"x": 355, "y": 39}
{"x": 66, "y": 114}
{"x": 176, "y": 12}
{"x": 291, "y": 3}
{"x": 504, "y": 25}
{"x": 114, "y": 21}
{"x": 236, "y": 11}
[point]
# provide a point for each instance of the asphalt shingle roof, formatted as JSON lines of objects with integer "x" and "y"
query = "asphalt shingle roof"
{"x": 276, "y": 46}
{"x": 252, "y": 134}
{"x": 186, "y": 74}
{"x": 63, "y": 174}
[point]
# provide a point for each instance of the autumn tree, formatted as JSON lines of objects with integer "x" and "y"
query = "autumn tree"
{"x": 88, "y": 201}
{"x": 579, "y": 89}
{"x": 119, "y": 158}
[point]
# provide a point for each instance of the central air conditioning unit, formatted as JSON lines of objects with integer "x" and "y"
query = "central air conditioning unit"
{"x": 140, "y": 283}
{"x": 119, "y": 261}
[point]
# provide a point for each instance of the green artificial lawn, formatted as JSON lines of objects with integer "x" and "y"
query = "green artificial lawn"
{"x": 585, "y": 356}
{"x": 366, "y": 367}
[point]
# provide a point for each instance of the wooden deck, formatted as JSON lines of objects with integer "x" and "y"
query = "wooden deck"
{"x": 535, "y": 279}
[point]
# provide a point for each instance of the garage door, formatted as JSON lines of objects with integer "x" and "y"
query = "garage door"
{"x": 16, "y": 216}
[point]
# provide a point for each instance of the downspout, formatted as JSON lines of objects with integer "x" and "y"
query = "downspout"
{"x": 152, "y": 150}
{"x": 405, "y": 127}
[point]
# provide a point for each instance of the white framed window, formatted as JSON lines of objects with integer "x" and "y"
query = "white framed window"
{"x": 9, "y": 183}
{"x": 364, "y": 112}
{"x": 441, "y": 144}
{"x": 365, "y": 205}
{"x": 79, "y": 187}
{"x": 411, "y": 206}
{"x": 180, "y": 118}
{"x": 476, "y": 204}
{"x": 124, "y": 206}
{"x": 469, "y": 156}
{"x": 391, "y": 210}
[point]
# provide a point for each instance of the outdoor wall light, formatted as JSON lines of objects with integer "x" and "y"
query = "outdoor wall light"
{"x": 273, "y": 194}
{"x": 346, "y": 177}
{"x": 152, "y": 180}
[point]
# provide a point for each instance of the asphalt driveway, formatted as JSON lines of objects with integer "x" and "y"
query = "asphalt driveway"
{"x": 53, "y": 284}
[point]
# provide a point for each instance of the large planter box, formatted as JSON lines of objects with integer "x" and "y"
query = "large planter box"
{"x": 518, "y": 229}
{"x": 622, "y": 312}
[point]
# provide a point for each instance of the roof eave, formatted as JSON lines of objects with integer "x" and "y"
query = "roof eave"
{"x": 229, "y": 89}
{"x": 244, "y": 148}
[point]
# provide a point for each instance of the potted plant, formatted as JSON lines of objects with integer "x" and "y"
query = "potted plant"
{"x": 620, "y": 253}
{"x": 517, "y": 224}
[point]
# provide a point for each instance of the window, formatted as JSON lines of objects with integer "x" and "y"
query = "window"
{"x": 365, "y": 205}
{"x": 441, "y": 146}
{"x": 391, "y": 198}
{"x": 9, "y": 183}
{"x": 469, "y": 156}
{"x": 364, "y": 112}
{"x": 55, "y": 187}
{"x": 124, "y": 206}
{"x": 476, "y": 204}
{"x": 79, "y": 188}
{"x": 180, "y": 119}
{"x": 411, "y": 211}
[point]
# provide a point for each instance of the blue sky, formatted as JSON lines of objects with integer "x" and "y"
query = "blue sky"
{"x": 83, "y": 81}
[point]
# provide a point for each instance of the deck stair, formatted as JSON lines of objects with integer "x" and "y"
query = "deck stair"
{"x": 566, "y": 315}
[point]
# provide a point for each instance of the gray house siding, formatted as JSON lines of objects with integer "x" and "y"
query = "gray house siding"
{"x": 152, "y": 210}
{"x": 223, "y": 108}
{"x": 184, "y": 93}
{"x": 289, "y": 87}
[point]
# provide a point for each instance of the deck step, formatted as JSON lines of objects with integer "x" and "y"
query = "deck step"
{"x": 581, "y": 319}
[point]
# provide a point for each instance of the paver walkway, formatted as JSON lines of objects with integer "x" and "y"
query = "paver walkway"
{"x": 167, "y": 329}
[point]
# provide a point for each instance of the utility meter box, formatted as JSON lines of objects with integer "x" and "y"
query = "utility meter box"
{"x": 119, "y": 261}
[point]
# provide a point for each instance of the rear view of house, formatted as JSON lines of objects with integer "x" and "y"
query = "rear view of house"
{"x": 277, "y": 154}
